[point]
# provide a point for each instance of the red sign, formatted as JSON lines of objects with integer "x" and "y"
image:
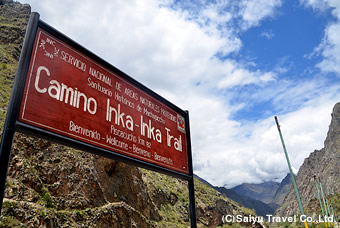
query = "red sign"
{"x": 72, "y": 95}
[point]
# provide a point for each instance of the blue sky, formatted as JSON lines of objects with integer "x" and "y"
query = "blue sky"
{"x": 283, "y": 41}
{"x": 232, "y": 64}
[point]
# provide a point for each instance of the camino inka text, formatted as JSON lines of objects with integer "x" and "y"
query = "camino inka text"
{"x": 120, "y": 111}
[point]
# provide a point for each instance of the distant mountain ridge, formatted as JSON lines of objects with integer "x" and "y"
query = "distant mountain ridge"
{"x": 269, "y": 192}
{"x": 261, "y": 208}
{"x": 252, "y": 195}
{"x": 264, "y": 191}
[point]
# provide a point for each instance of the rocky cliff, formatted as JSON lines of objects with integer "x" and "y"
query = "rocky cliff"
{"x": 14, "y": 17}
{"x": 283, "y": 190}
{"x": 50, "y": 185}
{"x": 323, "y": 163}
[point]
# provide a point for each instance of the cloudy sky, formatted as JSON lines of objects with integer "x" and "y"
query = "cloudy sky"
{"x": 233, "y": 64}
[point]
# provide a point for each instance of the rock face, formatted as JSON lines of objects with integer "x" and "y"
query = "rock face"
{"x": 13, "y": 20}
{"x": 283, "y": 190}
{"x": 45, "y": 179}
{"x": 14, "y": 15}
{"x": 323, "y": 163}
{"x": 50, "y": 185}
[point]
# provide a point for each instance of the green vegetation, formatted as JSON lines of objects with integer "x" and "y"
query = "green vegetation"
{"x": 3, "y": 66}
{"x": 46, "y": 198}
{"x": 43, "y": 213}
{"x": 7, "y": 204}
{"x": 204, "y": 193}
{"x": 8, "y": 221}
{"x": 172, "y": 198}
{"x": 80, "y": 213}
{"x": 334, "y": 200}
{"x": 10, "y": 46}
{"x": 7, "y": 72}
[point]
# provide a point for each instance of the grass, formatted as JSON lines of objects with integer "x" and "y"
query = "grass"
{"x": 7, "y": 72}
{"x": 47, "y": 198}
{"x": 8, "y": 221}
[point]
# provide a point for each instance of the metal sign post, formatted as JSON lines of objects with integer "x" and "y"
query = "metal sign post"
{"x": 318, "y": 193}
{"x": 329, "y": 211}
{"x": 192, "y": 205}
{"x": 324, "y": 202}
{"x": 66, "y": 94}
{"x": 14, "y": 104}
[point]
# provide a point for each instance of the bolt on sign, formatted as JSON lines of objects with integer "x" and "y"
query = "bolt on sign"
{"x": 70, "y": 94}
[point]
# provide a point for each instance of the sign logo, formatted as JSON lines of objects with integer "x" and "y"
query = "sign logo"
{"x": 180, "y": 123}
{"x": 50, "y": 50}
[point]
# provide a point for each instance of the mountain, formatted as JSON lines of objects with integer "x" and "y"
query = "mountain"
{"x": 12, "y": 32}
{"x": 282, "y": 190}
{"x": 261, "y": 208}
{"x": 270, "y": 193}
{"x": 264, "y": 192}
{"x": 50, "y": 185}
{"x": 324, "y": 164}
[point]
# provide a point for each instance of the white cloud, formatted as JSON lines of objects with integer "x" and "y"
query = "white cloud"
{"x": 330, "y": 46}
{"x": 236, "y": 76}
{"x": 226, "y": 19}
{"x": 156, "y": 45}
{"x": 330, "y": 50}
{"x": 258, "y": 155}
{"x": 267, "y": 34}
{"x": 323, "y": 5}
{"x": 253, "y": 11}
